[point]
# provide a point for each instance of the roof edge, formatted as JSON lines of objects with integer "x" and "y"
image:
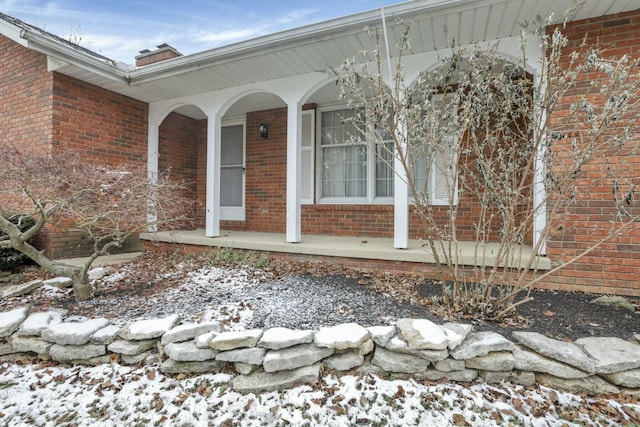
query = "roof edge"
{"x": 270, "y": 41}
{"x": 50, "y": 47}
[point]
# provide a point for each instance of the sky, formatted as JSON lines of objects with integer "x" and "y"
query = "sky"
{"x": 120, "y": 29}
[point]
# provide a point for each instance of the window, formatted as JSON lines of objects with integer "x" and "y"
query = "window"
{"x": 232, "y": 171}
{"x": 351, "y": 172}
{"x": 347, "y": 172}
{"x": 384, "y": 175}
{"x": 344, "y": 163}
{"x": 433, "y": 174}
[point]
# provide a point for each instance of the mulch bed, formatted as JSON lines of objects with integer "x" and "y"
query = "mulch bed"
{"x": 565, "y": 315}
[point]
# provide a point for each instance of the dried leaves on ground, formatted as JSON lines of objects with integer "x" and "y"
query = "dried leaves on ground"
{"x": 313, "y": 294}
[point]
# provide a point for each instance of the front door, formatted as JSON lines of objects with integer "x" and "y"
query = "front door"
{"x": 232, "y": 172}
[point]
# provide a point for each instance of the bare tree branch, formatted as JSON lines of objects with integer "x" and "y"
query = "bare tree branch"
{"x": 109, "y": 204}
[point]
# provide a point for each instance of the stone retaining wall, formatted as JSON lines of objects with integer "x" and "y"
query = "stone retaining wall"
{"x": 278, "y": 358}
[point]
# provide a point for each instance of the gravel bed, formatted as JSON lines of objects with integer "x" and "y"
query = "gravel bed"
{"x": 297, "y": 302}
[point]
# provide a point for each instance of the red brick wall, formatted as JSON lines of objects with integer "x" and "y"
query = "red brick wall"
{"x": 179, "y": 138}
{"x": 43, "y": 110}
{"x": 25, "y": 97}
{"x": 372, "y": 220}
{"x": 614, "y": 267}
{"x": 101, "y": 126}
{"x": 178, "y": 146}
{"x": 97, "y": 123}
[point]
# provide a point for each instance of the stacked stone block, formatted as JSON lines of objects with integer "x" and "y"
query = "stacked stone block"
{"x": 279, "y": 358}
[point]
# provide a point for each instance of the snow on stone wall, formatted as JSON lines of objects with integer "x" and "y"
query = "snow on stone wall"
{"x": 278, "y": 358}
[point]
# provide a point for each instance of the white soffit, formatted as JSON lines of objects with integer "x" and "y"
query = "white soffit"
{"x": 434, "y": 24}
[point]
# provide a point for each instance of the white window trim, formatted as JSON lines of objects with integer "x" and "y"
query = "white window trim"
{"x": 309, "y": 169}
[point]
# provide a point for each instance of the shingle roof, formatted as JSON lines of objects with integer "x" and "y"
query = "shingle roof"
{"x": 25, "y": 26}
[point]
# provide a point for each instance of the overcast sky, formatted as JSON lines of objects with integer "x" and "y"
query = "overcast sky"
{"x": 120, "y": 29}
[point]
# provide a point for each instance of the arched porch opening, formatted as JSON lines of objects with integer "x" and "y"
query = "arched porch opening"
{"x": 485, "y": 179}
{"x": 253, "y": 172}
{"x": 182, "y": 137}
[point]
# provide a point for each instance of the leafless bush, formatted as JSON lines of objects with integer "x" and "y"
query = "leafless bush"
{"x": 479, "y": 132}
{"x": 109, "y": 204}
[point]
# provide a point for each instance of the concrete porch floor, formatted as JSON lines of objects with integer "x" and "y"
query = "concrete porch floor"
{"x": 372, "y": 248}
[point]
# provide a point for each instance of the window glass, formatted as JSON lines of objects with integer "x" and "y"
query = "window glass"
{"x": 344, "y": 162}
{"x": 384, "y": 169}
{"x": 349, "y": 169}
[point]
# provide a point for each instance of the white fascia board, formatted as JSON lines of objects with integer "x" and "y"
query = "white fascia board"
{"x": 12, "y": 32}
{"x": 66, "y": 54}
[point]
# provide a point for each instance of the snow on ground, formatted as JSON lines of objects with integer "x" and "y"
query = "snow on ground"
{"x": 110, "y": 395}
{"x": 43, "y": 394}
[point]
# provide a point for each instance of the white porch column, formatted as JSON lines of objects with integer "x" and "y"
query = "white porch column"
{"x": 400, "y": 187}
{"x": 400, "y": 191}
{"x": 294, "y": 173}
{"x": 152, "y": 172}
{"x": 400, "y": 207}
{"x": 539, "y": 190}
{"x": 539, "y": 196}
{"x": 214, "y": 126}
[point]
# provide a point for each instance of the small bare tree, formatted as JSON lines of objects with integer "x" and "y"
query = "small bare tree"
{"x": 108, "y": 204}
{"x": 478, "y": 132}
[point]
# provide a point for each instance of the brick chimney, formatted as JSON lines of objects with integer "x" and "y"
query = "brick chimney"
{"x": 162, "y": 53}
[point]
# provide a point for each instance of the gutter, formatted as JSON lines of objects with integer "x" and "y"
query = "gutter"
{"x": 57, "y": 50}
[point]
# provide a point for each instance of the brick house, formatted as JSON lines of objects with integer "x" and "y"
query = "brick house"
{"x": 202, "y": 115}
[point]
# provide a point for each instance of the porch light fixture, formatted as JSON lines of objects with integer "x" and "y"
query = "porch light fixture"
{"x": 263, "y": 130}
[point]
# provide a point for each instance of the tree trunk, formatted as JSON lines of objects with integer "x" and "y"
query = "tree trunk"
{"x": 82, "y": 291}
{"x": 81, "y": 285}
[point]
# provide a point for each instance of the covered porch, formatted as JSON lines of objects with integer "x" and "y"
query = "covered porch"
{"x": 364, "y": 250}
{"x": 294, "y": 182}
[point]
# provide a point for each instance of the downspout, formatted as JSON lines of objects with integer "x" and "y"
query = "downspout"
{"x": 386, "y": 45}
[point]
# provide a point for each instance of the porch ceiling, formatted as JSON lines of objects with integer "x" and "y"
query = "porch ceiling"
{"x": 434, "y": 25}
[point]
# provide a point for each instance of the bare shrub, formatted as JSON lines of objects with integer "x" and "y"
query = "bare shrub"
{"x": 480, "y": 133}
{"x": 109, "y": 204}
